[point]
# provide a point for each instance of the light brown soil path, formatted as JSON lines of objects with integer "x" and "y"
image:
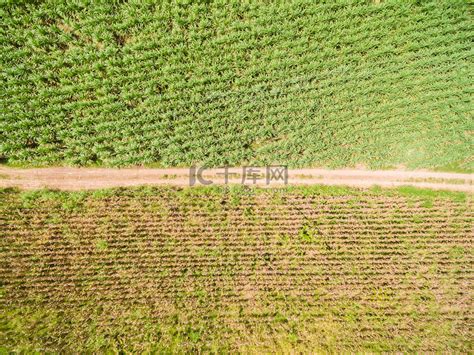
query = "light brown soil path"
{"x": 65, "y": 178}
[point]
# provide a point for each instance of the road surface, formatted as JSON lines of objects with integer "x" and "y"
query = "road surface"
{"x": 65, "y": 178}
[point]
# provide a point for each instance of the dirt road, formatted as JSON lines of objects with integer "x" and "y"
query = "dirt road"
{"x": 64, "y": 178}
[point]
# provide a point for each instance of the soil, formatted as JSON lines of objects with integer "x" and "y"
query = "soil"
{"x": 65, "y": 178}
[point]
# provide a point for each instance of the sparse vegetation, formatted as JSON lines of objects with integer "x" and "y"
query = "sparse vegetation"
{"x": 219, "y": 269}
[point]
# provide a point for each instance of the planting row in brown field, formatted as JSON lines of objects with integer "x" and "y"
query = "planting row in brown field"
{"x": 197, "y": 269}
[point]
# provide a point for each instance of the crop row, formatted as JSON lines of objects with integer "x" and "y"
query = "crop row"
{"x": 212, "y": 84}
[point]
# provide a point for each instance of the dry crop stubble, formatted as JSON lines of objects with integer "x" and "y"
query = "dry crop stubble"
{"x": 213, "y": 269}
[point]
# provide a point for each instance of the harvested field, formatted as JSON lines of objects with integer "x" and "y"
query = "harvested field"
{"x": 216, "y": 269}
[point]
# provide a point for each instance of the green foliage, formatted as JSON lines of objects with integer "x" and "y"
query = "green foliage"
{"x": 234, "y": 193}
{"x": 457, "y": 252}
{"x": 301, "y": 83}
{"x": 68, "y": 200}
{"x": 428, "y": 195}
{"x": 101, "y": 245}
{"x": 307, "y": 234}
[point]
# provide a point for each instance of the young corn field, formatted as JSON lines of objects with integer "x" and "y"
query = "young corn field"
{"x": 226, "y": 270}
{"x": 300, "y": 83}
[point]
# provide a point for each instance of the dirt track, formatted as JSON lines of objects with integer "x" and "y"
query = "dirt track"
{"x": 96, "y": 178}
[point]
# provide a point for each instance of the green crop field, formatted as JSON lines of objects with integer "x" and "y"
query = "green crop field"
{"x": 226, "y": 270}
{"x": 302, "y": 83}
